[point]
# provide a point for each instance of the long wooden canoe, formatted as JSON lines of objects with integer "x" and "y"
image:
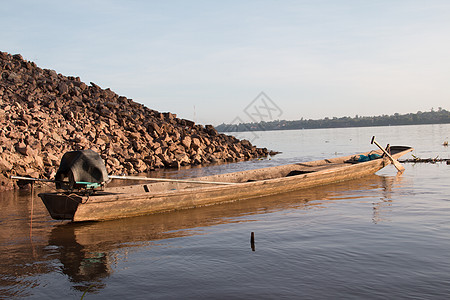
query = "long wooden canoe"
{"x": 155, "y": 197}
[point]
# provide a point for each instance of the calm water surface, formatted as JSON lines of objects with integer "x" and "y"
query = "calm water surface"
{"x": 379, "y": 237}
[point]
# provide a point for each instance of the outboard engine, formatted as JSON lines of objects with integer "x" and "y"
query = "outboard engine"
{"x": 81, "y": 169}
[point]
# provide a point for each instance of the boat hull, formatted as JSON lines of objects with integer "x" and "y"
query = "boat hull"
{"x": 146, "y": 199}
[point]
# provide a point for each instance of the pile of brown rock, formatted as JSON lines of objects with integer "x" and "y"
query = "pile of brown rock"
{"x": 44, "y": 114}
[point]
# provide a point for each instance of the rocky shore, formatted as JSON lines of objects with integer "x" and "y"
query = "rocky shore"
{"x": 44, "y": 114}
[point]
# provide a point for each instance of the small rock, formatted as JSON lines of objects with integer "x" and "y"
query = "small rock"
{"x": 211, "y": 130}
{"x": 5, "y": 166}
{"x": 186, "y": 142}
{"x": 22, "y": 148}
{"x": 196, "y": 143}
{"x": 52, "y": 73}
{"x": 13, "y": 77}
{"x": 63, "y": 88}
{"x": 18, "y": 57}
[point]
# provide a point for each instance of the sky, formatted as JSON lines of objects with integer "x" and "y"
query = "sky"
{"x": 241, "y": 61}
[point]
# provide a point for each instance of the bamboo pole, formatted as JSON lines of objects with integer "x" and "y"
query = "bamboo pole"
{"x": 168, "y": 180}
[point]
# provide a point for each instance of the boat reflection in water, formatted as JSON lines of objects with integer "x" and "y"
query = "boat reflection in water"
{"x": 88, "y": 252}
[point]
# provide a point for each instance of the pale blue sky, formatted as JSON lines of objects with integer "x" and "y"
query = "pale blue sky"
{"x": 314, "y": 59}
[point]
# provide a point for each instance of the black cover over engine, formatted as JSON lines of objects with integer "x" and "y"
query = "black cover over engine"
{"x": 80, "y": 166}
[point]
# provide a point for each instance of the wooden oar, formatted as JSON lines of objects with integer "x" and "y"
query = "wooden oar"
{"x": 396, "y": 164}
{"x": 167, "y": 180}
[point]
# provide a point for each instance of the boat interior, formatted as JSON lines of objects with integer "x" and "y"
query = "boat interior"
{"x": 243, "y": 176}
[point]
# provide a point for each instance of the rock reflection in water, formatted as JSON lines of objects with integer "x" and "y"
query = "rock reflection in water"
{"x": 22, "y": 242}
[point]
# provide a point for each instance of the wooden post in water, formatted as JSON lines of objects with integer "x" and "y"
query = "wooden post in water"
{"x": 252, "y": 241}
{"x": 31, "y": 213}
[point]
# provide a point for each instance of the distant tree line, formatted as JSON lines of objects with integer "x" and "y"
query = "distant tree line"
{"x": 440, "y": 116}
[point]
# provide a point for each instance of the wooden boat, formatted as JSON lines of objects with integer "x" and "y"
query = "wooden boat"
{"x": 101, "y": 241}
{"x": 155, "y": 197}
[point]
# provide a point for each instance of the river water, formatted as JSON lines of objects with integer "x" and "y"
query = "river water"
{"x": 379, "y": 237}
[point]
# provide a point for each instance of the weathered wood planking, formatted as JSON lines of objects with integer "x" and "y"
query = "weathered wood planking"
{"x": 149, "y": 198}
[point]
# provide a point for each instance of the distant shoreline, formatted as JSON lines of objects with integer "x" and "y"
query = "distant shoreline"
{"x": 441, "y": 116}
{"x": 281, "y": 129}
